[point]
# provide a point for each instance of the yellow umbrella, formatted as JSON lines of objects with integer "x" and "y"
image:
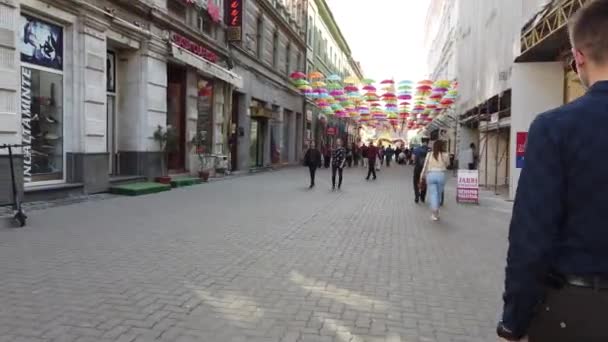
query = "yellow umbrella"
{"x": 319, "y": 84}
{"x": 351, "y": 80}
{"x": 316, "y": 75}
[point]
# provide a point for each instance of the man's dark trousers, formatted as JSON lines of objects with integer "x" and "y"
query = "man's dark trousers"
{"x": 420, "y": 195}
{"x": 313, "y": 171}
{"x": 338, "y": 170}
{"x": 371, "y": 168}
{"x": 571, "y": 314}
{"x": 388, "y": 161}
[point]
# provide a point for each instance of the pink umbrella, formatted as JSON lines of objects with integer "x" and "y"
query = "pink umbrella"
{"x": 388, "y": 82}
{"x": 369, "y": 88}
{"x": 405, "y": 97}
{"x": 298, "y": 75}
{"x": 336, "y": 93}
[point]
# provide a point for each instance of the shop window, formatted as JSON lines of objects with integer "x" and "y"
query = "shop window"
{"x": 177, "y": 9}
{"x": 275, "y": 49}
{"x": 41, "y": 47}
{"x": 259, "y": 36}
{"x": 204, "y": 121}
{"x": 287, "y": 58}
{"x": 205, "y": 23}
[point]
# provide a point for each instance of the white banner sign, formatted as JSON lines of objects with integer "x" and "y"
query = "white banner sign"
{"x": 468, "y": 186}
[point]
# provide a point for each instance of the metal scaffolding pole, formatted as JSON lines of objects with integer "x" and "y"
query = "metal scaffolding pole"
{"x": 497, "y": 146}
{"x": 487, "y": 144}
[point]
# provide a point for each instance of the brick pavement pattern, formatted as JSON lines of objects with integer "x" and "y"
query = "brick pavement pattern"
{"x": 258, "y": 258}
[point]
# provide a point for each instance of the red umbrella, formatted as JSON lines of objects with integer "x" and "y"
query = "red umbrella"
{"x": 404, "y": 103}
{"x": 388, "y": 82}
{"x": 424, "y": 88}
{"x": 435, "y": 96}
{"x": 298, "y": 75}
{"x": 447, "y": 101}
{"x": 405, "y": 97}
{"x": 389, "y": 96}
{"x": 376, "y": 104}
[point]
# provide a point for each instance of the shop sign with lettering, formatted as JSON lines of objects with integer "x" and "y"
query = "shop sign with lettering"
{"x": 193, "y": 47}
{"x": 234, "y": 18}
{"x": 467, "y": 188}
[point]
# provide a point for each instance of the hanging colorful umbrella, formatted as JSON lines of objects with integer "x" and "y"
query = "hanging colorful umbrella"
{"x": 351, "y": 88}
{"x": 319, "y": 84}
{"x": 405, "y": 97}
{"x": 350, "y": 80}
{"x": 369, "y": 87}
{"x": 334, "y": 78}
{"x": 426, "y": 82}
{"x": 424, "y": 88}
{"x": 387, "y": 82}
{"x": 315, "y": 75}
{"x": 297, "y": 75}
{"x": 435, "y": 96}
{"x": 443, "y": 84}
{"x": 336, "y": 92}
{"x": 389, "y": 96}
{"x": 447, "y": 101}
{"x": 367, "y": 81}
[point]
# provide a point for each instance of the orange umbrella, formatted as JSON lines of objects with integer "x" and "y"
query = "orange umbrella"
{"x": 315, "y": 75}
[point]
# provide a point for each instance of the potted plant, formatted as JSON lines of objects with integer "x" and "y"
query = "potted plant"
{"x": 198, "y": 143}
{"x": 167, "y": 142}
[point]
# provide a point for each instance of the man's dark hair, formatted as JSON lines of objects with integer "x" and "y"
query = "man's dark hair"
{"x": 588, "y": 28}
{"x": 472, "y": 145}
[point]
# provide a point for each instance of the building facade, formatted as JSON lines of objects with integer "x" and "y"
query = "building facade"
{"x": 86, "y": 85}
{"x": 269, "y": 114}
{"x": 328, "y": 52}
{"x": 511, "y": 61}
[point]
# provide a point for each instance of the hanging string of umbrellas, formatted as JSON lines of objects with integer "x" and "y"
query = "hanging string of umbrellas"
{"x": 391, "y": 105}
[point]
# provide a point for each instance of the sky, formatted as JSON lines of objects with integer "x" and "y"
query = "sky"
{"x": 386, "y": 36}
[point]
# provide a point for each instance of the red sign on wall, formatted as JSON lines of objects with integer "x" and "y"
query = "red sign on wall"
{"x": 193, "y": 47}
{"x": 331, "y": 131}
{"x": 234, "y": 20}
{"x": 520, "y": 152}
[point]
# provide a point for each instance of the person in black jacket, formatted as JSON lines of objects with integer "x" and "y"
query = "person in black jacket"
{"x": 312, "y": 159}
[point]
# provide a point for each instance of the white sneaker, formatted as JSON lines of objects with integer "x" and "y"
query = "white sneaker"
{"x": 434, "y": 217}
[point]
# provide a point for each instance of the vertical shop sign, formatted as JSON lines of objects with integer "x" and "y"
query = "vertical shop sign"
{"x": 26, "y": 119}
{"x": 520, "y": 152}
{"x": 234, "y": 19}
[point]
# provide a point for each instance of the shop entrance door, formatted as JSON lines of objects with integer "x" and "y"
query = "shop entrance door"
{"x": 256, "y": 148}
{"x": 111, "y": 136}
{"x": 176, "y": 116}
{"x": 234, "y": 127}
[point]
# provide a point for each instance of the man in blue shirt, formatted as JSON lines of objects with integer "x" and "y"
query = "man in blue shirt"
{"x": 556, "y": 286}
{"x": 419, "y": 153}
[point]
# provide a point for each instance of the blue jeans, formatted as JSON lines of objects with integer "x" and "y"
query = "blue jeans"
{"x": 435, "y": 181}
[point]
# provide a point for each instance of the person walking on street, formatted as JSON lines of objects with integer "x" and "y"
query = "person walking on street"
{"x": 327, "y": 156}
{"x": 435, "y": 166}
{"x": 389, "y": 155}
{"x": 364, "y": 160}
{"x": 372, "y": 154}
{"x": 381, "y": 154}
{"x": 338, "y": 160}
{"x": 349, "y": 157}
{"x": 312, "y": 159}
{"x": 556, "y": 284}
{"x": 419, "y": 156}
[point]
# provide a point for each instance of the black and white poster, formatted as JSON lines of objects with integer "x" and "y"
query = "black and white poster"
{"x": 111, "y": 72}
{"x": 41, "y": 42}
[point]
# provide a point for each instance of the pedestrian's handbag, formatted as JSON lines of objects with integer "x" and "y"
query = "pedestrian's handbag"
{"x": 422, "y": 185}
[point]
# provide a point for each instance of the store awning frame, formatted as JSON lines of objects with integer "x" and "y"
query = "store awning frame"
{"x": 206, "y": 67}
{"x": 546, "y": 34}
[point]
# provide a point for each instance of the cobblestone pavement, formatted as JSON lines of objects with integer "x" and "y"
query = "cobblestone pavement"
{"x": 257, "y": 258}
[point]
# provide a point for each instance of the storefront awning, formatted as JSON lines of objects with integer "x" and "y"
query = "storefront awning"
{"x": 206, "y": 66}
{"x": 545, "y": 35}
